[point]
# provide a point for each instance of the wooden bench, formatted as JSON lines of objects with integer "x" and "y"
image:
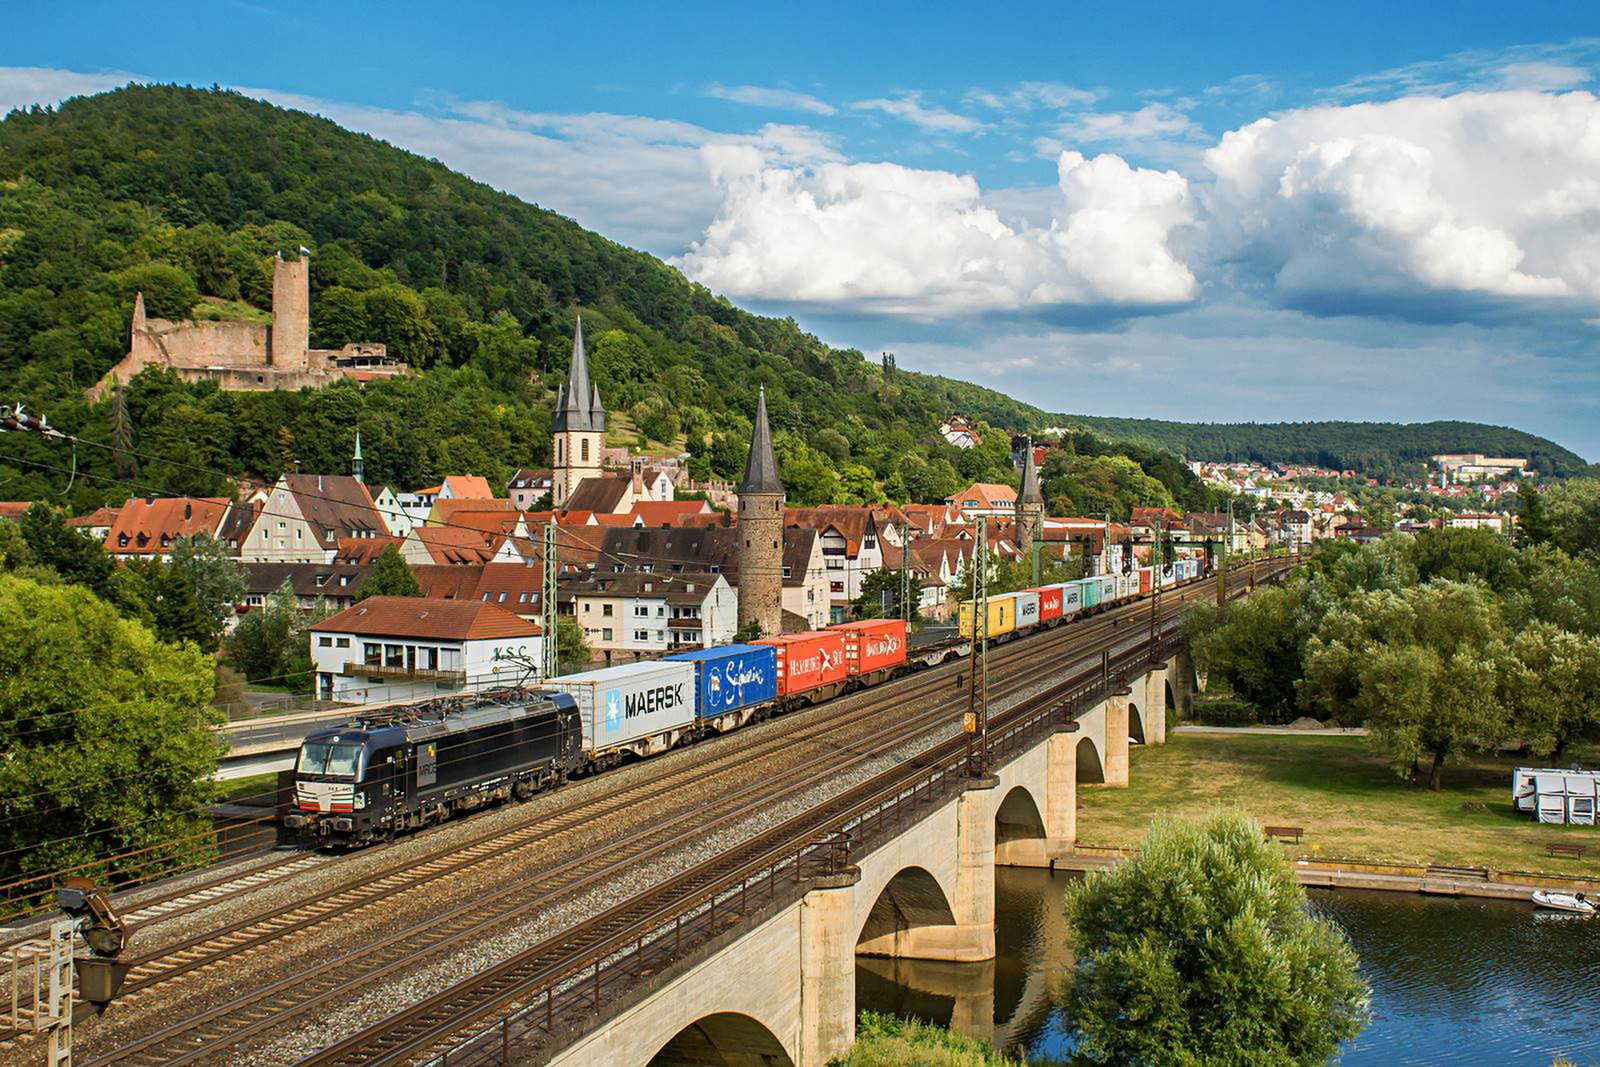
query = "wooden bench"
{"x": 1283, "y": 833}
{"x": 1561, "y": 848}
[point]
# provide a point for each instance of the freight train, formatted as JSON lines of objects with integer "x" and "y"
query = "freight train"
{"x": 414, "y": 765}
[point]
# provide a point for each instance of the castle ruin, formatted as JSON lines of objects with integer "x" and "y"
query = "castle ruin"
{"x": 250, "y": 356}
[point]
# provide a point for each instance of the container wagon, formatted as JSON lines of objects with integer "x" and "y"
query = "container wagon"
{"x": 1001, "y": 618}
{"x": 417, "y": 764}
{"x": 636, "y": 708}
{"x": 1026, "y": 609}
{"x": 1049, "y": 603}
{"x": 734, "y": 684}
{"x": 874, "y": 649}
{"x": 811, "y": 666}
{"x": 1090, "y": 590}
{"x": 1071, "y": 599}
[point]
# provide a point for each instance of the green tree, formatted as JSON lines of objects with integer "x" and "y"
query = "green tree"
{"x": 169, "y": 292}
{"x": 1552, "y": 688}
{"x": 107, "y": 735}
{"x": 572, "y": 649}
{"x": 1534, "y": 526}
{"x": 78, "y": 559}
{"x": 391, "y": 575}
{"x": 1257, "y": 646}
{"x": 1422, "y": 668}
{"x": 270, "y": 644}
{"x": 880, "y": 597}
{"x": 214, "y": 576}
{"x": 162, "y": 598}
{"x": 1200, "y": 951}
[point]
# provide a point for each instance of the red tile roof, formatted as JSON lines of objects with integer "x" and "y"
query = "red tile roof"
{"x": 667, "y": 512}
{"x": 149, "y": 525}
{"x": 426, "y": 617}
{"x": 14, "y": 509}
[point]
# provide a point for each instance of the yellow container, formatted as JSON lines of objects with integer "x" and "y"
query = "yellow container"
{"x": 1002, "y": 615}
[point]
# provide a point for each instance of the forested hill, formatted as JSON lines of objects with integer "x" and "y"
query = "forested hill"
{"x": 185, "y": 195}
{"x": 1377, "y": 449}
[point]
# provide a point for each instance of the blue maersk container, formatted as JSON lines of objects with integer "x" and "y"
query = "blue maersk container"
{"x": 730, "y": 677}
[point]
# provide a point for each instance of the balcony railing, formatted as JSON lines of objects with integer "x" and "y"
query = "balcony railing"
{"x": 356, "y": 669}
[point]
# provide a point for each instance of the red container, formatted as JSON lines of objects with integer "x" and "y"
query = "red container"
{"x": 873, "y": 644}
{"x": 1049, "y": 602}
{"x": 808, "y": 660}
{"x": 1144, "y": 581}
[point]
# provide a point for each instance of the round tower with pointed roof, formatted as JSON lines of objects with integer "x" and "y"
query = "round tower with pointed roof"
{"x": 761, "y": 532}
{"x": 1030, "y": 504}
{"x": 578, "y": 427}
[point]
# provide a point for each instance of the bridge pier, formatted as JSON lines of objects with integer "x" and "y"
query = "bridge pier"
{"x": 828, "y": 970}
{"x": 1116, "y": 756}
{"x": 1155, "y": 706}
{"x": 1185, "y": 683}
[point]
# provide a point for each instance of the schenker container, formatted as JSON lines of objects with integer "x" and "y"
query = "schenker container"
{"x": 621, "y": 705}
{"x": 808, "y": 660}
{"x": 731, "y": 677}
{"x": 873, "y": 644}
{"x": 1071, "y": 599}
{"x": 1091, "y": 592}
{"x": 1001, "y": 617}
{"x": 1049, "y": 602}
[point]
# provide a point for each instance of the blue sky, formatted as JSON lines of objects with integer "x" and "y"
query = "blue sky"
{"x": 1218, "y": 212}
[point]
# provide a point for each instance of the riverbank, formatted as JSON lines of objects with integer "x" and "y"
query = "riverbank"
{"x": 890, "y": 1041}
{"x": 1350, "y": 803}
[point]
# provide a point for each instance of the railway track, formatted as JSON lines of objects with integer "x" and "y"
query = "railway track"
{"x": 313, "y": 988}
{"x": 429, "y": 1025}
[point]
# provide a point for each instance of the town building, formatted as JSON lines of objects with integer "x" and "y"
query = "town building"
{"x": 578, "y": 426}
{"x": 959, "y": 432}
{"x": 852, "y": 548}
{"x": 329, "y": 585}
{"x": 389, "y": 649}
{"x": 148, "y": 527}
{"x": 760, "y": 532}
{"x": 648, "y": 613}
{"x": 1478, "y": 520}
{"x": 985, "y": 498}
{"x": 1460, "y": 467}
{"x": 527, "y": 487}
{"x": 304, "y": 517}
{"x": 250, "y": 356}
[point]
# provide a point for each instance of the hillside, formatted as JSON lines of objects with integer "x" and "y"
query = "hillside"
{"x": 1380, "y": 449}
{"x": 185, "y": 195}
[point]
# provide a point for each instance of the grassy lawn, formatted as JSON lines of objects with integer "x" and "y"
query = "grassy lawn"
{"x": 254, "y": 786}
{"x": 1346, "y": 797}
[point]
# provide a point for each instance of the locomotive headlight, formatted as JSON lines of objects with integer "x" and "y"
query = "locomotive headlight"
{"x": 361, "y": 801}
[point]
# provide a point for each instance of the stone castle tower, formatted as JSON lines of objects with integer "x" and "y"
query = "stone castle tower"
{"x": 1030, "y": 505}
{"x": 761, "y": 532}
{"x": 291, "y": 312}
{"x": 579, "y": 427}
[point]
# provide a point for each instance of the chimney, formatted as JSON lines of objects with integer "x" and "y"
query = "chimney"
{"x": 188, "y": 511}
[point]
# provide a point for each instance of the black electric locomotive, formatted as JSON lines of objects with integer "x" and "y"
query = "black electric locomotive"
{"x": 418, "y": 764}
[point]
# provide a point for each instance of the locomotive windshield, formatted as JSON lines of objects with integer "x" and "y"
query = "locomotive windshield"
{"x": 317, "y": 757}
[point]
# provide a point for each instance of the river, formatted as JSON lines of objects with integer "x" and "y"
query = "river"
{"x": 1461, "y": 981}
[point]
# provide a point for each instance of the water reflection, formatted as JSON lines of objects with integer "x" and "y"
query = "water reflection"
{"x": 1458, "y": 981}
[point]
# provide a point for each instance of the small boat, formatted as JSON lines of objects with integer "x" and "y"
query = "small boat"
{"x": 1564, "y": 902}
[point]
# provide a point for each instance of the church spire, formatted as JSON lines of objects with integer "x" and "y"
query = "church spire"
{"x": 357, "y": 467}
{"x": 579, "y": 399}
{"x": 760, "y": 469}
{"x": 1030, "y": 493}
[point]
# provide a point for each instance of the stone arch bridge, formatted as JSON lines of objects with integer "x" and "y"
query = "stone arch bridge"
{"x": 783, "y": 991}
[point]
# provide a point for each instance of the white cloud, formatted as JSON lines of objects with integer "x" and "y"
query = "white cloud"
{"x": 1028, "y": 96}
{"x": 1534, "y": 66}
{"x": 879, "y": 237}
{"x": 1387, "y": 206}
{"x": 1542, "y": 75}
{"x": 908, "y": 106}
{"x": 1152, "y": 122}
{"x": 26, "y": 86}
{"x": 760, "y": 96}
{"x": 636, "y": 179}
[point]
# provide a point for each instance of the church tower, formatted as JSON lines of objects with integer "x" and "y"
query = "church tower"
{"x": 357, "y": 464}
{"x": 1030, "y": 505}
{"x": 579, "y": 425}
{"x": 761, "y": 532}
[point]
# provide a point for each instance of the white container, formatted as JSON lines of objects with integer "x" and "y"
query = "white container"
{"x": 1071, "y": 599}
{"x": 640, "y": 707}
{"x": 1027, "y": 610}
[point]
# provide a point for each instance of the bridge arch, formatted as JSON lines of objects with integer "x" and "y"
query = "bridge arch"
{"x": 1091, "y": 770}
{"x": 1135, "y": 724}
{"x": 912, "y": 899}
{"x": 727, "y": 1038}
{"x": 1018, "y": 818}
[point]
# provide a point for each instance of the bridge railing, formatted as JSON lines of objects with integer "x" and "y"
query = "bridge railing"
{"x": 694, "y": 911}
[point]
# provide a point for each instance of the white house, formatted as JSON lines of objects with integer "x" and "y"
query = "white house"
{"x": 1477, "y": 520}
{"x": 392, "y": 512}
{"x": 645, "y": 613}
{"x": 395, "y": 648}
